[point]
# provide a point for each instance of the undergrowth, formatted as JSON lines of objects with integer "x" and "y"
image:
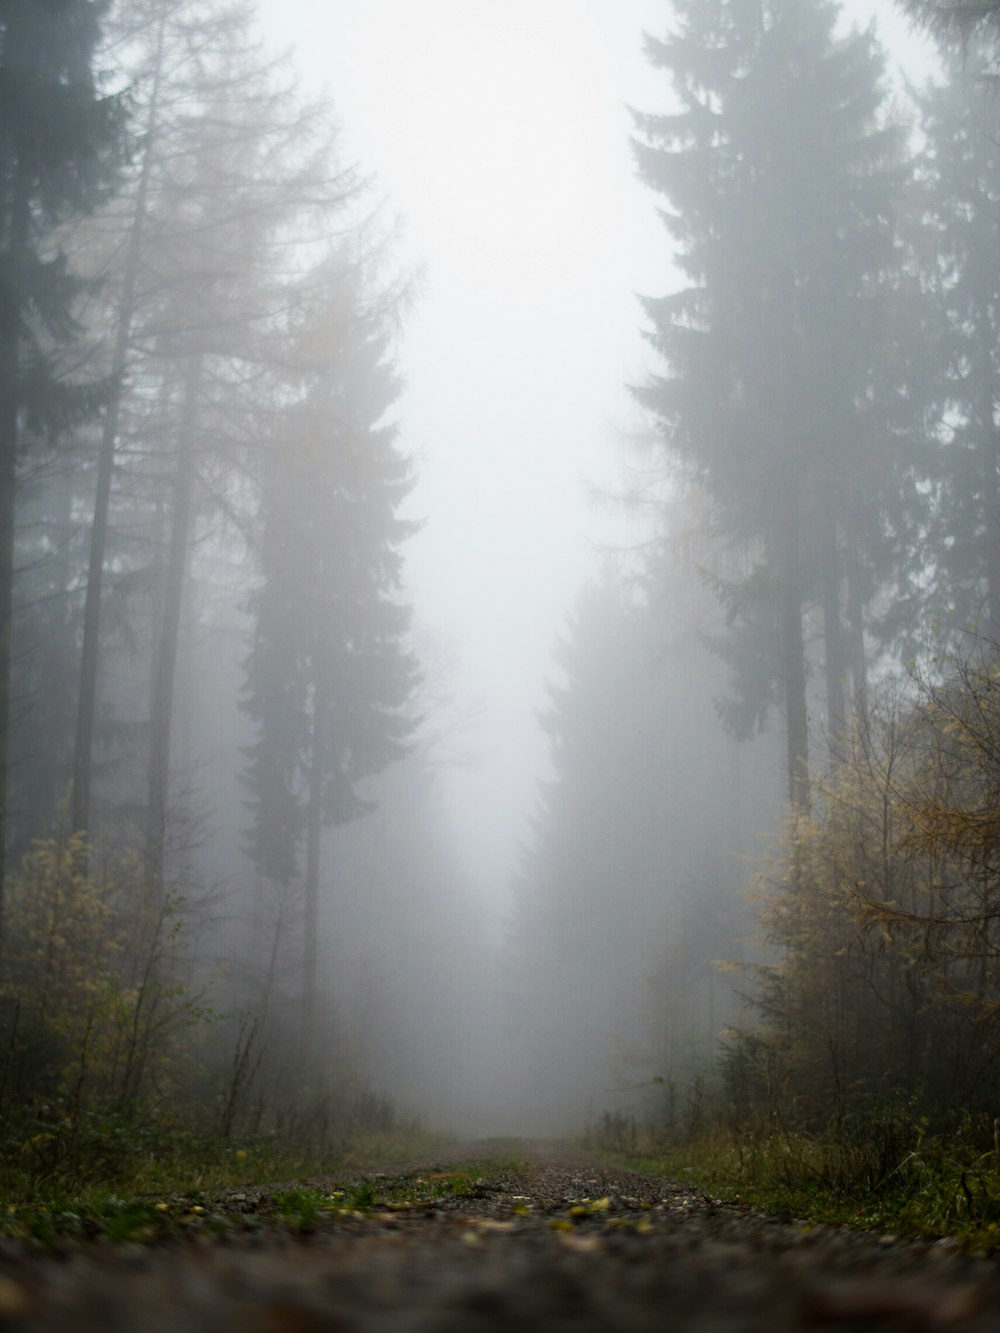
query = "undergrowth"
{"x": 889, "y": 1174}
{"x": 48, "y": 1160}
{"x": 215, "y": 1209}
{"x": 305, "y": 1206}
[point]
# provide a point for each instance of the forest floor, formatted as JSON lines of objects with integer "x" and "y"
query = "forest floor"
{"x": 490, "y": 1236}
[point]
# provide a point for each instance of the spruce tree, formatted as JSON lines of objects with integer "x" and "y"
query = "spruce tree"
{"x": 960, "y": 173}
{"x": 329, "y": 675}
{"x": 954, "y": 20}
{"x": 610, "y": 976}
{"x": 776, "y": 396}
{"x": 234, "y": 179}
{"x": 60, "y": 143}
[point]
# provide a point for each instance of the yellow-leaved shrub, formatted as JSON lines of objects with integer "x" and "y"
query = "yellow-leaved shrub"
{"x": 95, "y": 1001}
{"x": 883, "y": 906}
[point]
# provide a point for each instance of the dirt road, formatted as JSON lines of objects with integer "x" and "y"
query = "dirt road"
{"x": 553, "y": 1243}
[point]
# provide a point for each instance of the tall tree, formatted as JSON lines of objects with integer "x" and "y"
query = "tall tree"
{"x": 60, "y": 144}
{"x": 606, "y": 975}
{"x": 952, "y": 19}
{"x": 234, "y": 180}
{"x": 960, "y": 175}
{"x": 328, "y": 675}
{"x": 778, "y": 178}
{"x": 86, "y": 712}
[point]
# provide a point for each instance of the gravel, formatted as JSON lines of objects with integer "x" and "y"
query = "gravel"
{"x": 558, "y": 1244}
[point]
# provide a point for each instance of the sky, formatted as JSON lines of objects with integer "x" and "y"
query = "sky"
{"x": 497, "y": 131}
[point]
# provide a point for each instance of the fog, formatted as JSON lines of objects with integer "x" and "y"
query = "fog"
{"x": 509, "y": 516}
{"x": 517, "y": 194}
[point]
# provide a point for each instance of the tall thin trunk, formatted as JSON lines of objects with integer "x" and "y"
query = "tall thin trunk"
{"x": 794, "y": 668}
{"x": 835, "y": 650}
{"x": 10, "y": 368}
{"x": 9, "y": 350}
{"x": 314, "y": 828}
{"x": 992, "y": 493}
{"x": 993, "y": 488}
{"x": 165, "y": 664}
{"x": 856, "y": 629}
{"x": 87, "y": 698}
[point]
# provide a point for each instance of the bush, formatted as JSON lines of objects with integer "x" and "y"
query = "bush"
{"x": 95, "y": 1010}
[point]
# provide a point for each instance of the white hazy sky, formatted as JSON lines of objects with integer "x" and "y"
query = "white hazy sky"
{"x": 498, "y": 130}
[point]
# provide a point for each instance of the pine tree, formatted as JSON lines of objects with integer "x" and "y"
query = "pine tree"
{"x": 60, "y": 145}
{"x": 234, "y": 179}
{"x": 960, "y": 170}
{"x": 777, "y": 396}
{"x": 955, "y": 19}
{"x": 125, "y": 313}
{"x": 328, "y": 674}
{"x": 634, "y": 821}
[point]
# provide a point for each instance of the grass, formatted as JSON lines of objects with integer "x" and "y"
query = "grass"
{"x": 145, "y": 1182}
{"x": 305, "y": 1206}
{"x": 891, "y": 1178}
{"x": 300, "y": 1208}
{"x": 58, "y": 1159}
{"x": 123, "y": 1180}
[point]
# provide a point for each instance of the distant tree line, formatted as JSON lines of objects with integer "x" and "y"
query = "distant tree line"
{"x": 824, "y": 408}
{"x": 200, "y": 498}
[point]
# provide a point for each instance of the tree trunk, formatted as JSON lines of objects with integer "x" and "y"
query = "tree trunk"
{"x": 856, "y": 625}
{"x": 794, "y": 668}
{"x": 835, "y": 651}
{"x": 10, "y": 367}
{"x": 165, "y": 664}
{"x": 9, "y": 348}
{"x": 993, "y": 491}
{"x": 314, "y": 828}
{"x": 992, "y": 517}
{"x": 89, "y": 654}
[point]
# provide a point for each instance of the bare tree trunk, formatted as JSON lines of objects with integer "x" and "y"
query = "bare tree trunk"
{"x": 992, "y": 493}
{"x": 87, "y": 698}
{"x": 835, "y": 652}
{"x": 165, "y": 663}
{"x": 9, "y": 350}
{"x": 10, "y": 366}
{"x": 794, "y": 669}
{"x": 856, "y": 624}
{"x": 314, "y": 828}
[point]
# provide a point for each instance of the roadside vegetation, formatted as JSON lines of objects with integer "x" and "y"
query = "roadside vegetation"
{"x": 886, "y": 1174}
{"x": 201, "y": 1197}
{"x": 861, "y": 1089}
{"x": 237, "y": 941}
{"x": 120, "y": 1079}
{"x": 192, "y": 712}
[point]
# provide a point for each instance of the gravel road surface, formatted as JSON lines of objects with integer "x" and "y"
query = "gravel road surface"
{"x": 553, "y": 1243}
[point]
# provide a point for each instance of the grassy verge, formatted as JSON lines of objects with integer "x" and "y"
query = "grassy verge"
{"x": 122, "y": 1181}
{"x": 227, "y": 1199}
{"x": 916, "y": 1185}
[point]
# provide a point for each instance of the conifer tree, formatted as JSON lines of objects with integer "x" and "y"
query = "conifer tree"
{"x": 609, "y": 973}
{"x": 960, "y": 170}
{"x": 776, "y": 395}
{"x": 60, "y": 143}
{"x": 956, "y": 19}
{"x": 234, "y": 178}
{"x": 329, "y": 674}
{"x": 124, "y": 315}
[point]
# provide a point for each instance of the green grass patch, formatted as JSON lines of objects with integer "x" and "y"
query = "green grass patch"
{"x": 129, "y": 1179}
{"x": 913, "y": 1184}
{"x": 143, "y": 1183}
{"x": 305, "y": 1206}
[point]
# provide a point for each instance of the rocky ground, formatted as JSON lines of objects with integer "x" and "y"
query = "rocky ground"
{"x": 551, "y": 1243}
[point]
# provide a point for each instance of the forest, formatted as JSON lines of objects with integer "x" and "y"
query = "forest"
{"x": 760, "y": 899}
